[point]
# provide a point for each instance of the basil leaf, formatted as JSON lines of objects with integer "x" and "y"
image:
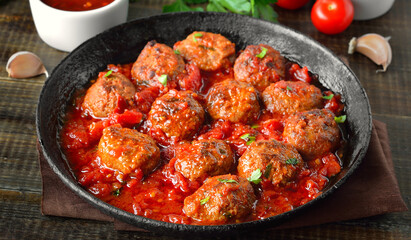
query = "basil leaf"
{"x": 329, "y": 97}
{"x": 214, "y": 6}
{"x": 266, "y": 12}
{"x": 255, "y": 176}
{"x": 204, "y": 200}
{"x": 195, "y": 1}
{"x": 340, "y": 119}
{"x": 236, "y": 6}
{"x": 227, "y": 180}
{"x": 180, "y": 6}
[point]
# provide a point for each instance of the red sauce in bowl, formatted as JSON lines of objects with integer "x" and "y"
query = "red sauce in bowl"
{"x": 77, "y": 5}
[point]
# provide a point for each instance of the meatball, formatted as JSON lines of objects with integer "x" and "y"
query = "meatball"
{"x": 204, "y": 158}
{"x": 176, "y": 114}
{"x": 221, "y": 199}
{"x": 209, "y": 51}
{"x": 260, "y": 71}
{"x": 125, "y": 150}
{"x": 234, "y": 101}
{"x": 286, "y": 97}
{"x": 313, "y": 133}
{"x": 103, "y": 97}
{"x": 156, "y": 60}
{"x": 278, "y": 162}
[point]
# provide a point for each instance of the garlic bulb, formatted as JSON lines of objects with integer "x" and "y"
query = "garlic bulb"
{"x": 25, "y": 65}
{"x": 375, "y": 47}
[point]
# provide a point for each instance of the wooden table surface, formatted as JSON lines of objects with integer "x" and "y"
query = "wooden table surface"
{"x": 20, "y": 183}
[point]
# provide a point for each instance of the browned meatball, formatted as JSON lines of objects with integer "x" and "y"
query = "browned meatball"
{"x": 234, "y": 101}
{"x": 286, "y": 97}
{"x": 259, "y": 71}
{"x": 313, "y": 133}
{"x": 204, "y": 158}
{"x": 125, "y": 150}
{"x": 221, "y": 199}
{"x": 103, "y": 96}
{"x": 278, "y": 162}
{"x": 209, "y": 51}
{"x": 176, "y": 114}
{"x": 155, "y": 60}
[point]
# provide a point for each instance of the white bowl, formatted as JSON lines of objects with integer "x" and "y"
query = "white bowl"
{"x": 65, "y": 30}
{"x": 369, "y": 9}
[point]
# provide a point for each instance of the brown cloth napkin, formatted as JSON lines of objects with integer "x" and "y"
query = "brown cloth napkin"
{"x": 371, "y": 190}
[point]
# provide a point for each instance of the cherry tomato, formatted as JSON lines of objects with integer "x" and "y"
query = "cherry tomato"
{"x": 291, "y": 4}
{"x": 332, "y": 16}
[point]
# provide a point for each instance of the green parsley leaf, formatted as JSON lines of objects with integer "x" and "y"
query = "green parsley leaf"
{"x": 340, "y": 119}
{"x": 108, "y": 73}
{"x": 289, "y": 88}
{"x": 262, "y": 53}
{"x": 249, "y": 138}
{"x": 268, "y": 170}
{"x": 196, "y": 35}
{"x": 329, "y": 97}
{"x": 291, "y": 161}
{"x": 204, "y": 200}
{"x": 180, "y": 6}
{"x": 255, "y": 176}
{"x": 255, "y": 126}
{"x": 117, "y": 192}
{"x": 163, "y": 79}
{"x": 227, "y": 180}
{"x": 177, "y": 52}
{"x": 245, "y": 136}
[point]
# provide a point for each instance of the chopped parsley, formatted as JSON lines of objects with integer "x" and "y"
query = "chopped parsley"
{"x": 262, "y": 53}
{"x": 196, "y": 35}
{"x": 268, "y": 170}
{"x": 289, "y": 88}
{"x": 255, "y": 176}
{"x": 117, "y": 192}
{"x": 291, "y": 161}
{"x": 177, "y": 52}
{"x": 340, "y": 119}
{"x": 108, "y": 73}
{"x": 163, "y": 79}
{"x": 227, "y": 180}
{"x": 329, "y": 97}
{"x": 249, "y": 138}
{"x": 204, "y": 200}
{"x": 255, "y": 126}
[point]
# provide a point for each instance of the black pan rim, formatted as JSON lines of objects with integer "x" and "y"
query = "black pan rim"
{"x": 172, "y": 228}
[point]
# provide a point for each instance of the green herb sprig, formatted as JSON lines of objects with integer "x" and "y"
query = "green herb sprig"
{"x": 163, "y": 79}
{"x": 248, "y": 137}
{"x": 340, "y": 119}
{"x": 255, "y": 176}
{"x": 227, "y": 180}
{"x": 204, "y": 200}
{"x": 255, "y": 8}
{"x": 329, "y": 97}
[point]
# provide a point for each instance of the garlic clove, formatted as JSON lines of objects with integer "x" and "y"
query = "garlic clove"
{"x": 375, "y": 47}
{"x": 25, "y": 65}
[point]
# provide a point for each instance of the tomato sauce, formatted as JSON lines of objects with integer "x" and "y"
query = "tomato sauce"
{"x": 161, "y": 195}
{"x": 77, "y": 5}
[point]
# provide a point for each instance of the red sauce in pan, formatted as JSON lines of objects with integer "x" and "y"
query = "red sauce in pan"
{"x": 77, "y": 5}
{"x": 161, "y": 194}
